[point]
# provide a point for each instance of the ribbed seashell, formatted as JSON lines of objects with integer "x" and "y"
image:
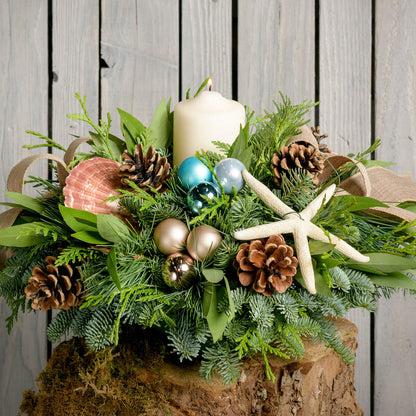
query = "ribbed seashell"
{"x": 90, "y": 183}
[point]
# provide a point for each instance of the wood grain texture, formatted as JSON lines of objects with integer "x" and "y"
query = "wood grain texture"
{"x": 140, "y": 46}
{"x": 345, "y": 114}
{"x": 75, "y": 65}
{"x": 24, "y": 105}
{"x": 395, "y": 124}
{"x": 276, "y": 52}
{"x": 345, "y": 74}
{"x": 206, "y": 45}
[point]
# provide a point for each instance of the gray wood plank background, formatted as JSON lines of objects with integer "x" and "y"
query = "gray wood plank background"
{"x": 357, "y": 57}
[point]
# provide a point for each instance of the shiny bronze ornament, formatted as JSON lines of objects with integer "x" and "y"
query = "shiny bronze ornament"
{"x": 178, "y": 271}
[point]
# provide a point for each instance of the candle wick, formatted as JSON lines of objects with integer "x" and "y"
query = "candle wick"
{"x": 209, "y": 87}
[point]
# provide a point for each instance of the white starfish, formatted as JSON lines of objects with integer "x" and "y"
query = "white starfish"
{"x": 299, "y": 224}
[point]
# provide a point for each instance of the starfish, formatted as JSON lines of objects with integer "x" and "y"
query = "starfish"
{"x": 299, "y": 224}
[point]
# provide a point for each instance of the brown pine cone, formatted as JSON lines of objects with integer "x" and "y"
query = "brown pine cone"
{"x": 296, "y": 155}
{"x": 56, "y": 287}
{"x": 266, "y": 264}
{"x": 146, "y": 171}
{"x": 323, "y": 147}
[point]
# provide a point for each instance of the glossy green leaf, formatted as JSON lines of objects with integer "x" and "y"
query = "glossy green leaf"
{"x": 131, "y": 129}
{"x": 26, "y": 202}
{"x": 160, "y": 129}
{"x": 360, "y": 203}
{"x": 78, "y": 220}
{"x": 319, "y": 247}
{"x": 112, "y": 267}
{"x": 112, "y": 228}
{"x": 240, "y": 149}
{"x": 383, "y": 263}
{"x": 90, "y": 237}
{"x": 217, "y": 322}
{"x": 213, "y": 275}
{"x": 321, "y": 285}
{"x": 17, "y": 236}
{"x": 395, "y": 280}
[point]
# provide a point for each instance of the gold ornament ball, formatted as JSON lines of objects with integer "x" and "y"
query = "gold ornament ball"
{"x": 170, "y": 236}
{"x": 178, "y": 271}
{"x": 202, "y": 242}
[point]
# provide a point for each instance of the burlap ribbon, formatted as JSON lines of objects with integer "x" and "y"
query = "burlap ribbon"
{"x": 16, "y": 178}
{"x": 375, "y": 182}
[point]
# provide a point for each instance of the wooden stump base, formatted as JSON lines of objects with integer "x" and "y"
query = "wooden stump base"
{"x": 79, "y": 383}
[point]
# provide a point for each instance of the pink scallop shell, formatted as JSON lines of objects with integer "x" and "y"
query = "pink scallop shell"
{"x": 91, "y": 182}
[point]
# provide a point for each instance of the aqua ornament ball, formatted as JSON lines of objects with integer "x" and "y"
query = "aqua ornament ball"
{"x": 192, "y": 171}
{"x": 198, "y": 197}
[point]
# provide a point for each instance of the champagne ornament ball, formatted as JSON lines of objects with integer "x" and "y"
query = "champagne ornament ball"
{"x": 202, "y": 242}
{"x": 178, "y": 271}
{"x": 170, "y": 236}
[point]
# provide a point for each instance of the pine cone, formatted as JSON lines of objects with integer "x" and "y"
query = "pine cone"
{"x": 303, "y": 156}
{"x": 266, "y": 264}
{"x": 323, "y": 147}
{"x": 147, "y": 171}
{"x": 56, "y": 287}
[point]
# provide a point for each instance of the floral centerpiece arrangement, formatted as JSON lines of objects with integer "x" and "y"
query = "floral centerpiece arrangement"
{"x": 244, "y": 247}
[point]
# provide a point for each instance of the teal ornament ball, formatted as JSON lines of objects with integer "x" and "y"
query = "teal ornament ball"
{"x": 192, "y": 171}
{"x": 196, "y": 198}
{"x": 170, "y": 235}
{"x": 202, "y": 242}
{"x": 178, "y": 271}
{"x": 228, "y": 172}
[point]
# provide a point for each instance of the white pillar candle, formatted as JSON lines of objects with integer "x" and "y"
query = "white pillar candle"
{"x": 198, "y": 121}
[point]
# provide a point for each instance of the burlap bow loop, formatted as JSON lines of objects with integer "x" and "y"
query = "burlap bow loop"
{"x": 16, "y": 178}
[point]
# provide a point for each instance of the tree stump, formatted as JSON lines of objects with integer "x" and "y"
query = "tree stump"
{"x": 133, "y": 382}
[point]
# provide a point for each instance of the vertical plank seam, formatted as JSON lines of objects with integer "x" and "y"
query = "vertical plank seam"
{"x": 317, "y": 58}
{"x": 234, "y": 50}
{"x": 50, "y": 132}
{"x": 101, "y": 63}
{"x": 373, "y": 138}
{"x": 180, "y": 50}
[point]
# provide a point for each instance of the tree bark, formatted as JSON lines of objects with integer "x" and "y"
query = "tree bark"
{"x": 124, "y": 384}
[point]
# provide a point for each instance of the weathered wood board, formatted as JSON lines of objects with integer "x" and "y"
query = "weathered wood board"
{"x": 23, "y": 106}
{"x": 345, "y": 115}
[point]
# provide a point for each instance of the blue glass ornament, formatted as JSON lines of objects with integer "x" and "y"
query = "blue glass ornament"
{"x": 228, "y": 172}
{"x": 195, "y": 198}
{"x": 192, "y": 171}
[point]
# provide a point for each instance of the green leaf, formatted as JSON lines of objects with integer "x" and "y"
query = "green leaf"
{"x": 90, "y": 237}
{"x": 369, "y": 163}
{"x": 115, "y": 144}
{"x": 230, "y": 300}
{"x": 410, "y": 206}
{"x": 216, "y": 321}
{"x": 202, "y": 86}
{"x": 360, "y": 203}
{"x": 26, "y": 202}
{"x": 319, "y": 247}
{"x": 240, "y": 149}
{"x": 112, "y": 228}
{"x": 112, "y": 267}
{"x": 320, "y": 284}
{"x": 19, "y": 236}
{"x": 160, "y": 129}
{"x": 383, "y": 263}
{"x": 395, "y": 280}
{"x": 213, "y": 275}
{"x": 78, "y": 219}
{"x": 131, "y": 129}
